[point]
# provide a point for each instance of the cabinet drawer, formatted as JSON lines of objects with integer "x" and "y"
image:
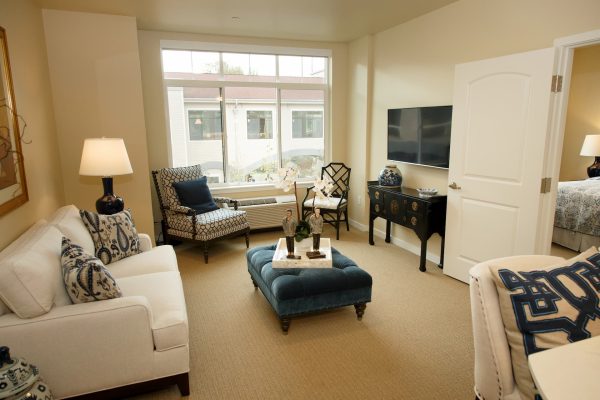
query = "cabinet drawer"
{"x": 377, "y": 201}
{"x": 395, "y": 210}
{"x": 416, "y": 206}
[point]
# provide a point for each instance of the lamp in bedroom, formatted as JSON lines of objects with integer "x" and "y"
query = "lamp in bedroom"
{"x": 591, "y": 147}
{"x": 105, "y": 157}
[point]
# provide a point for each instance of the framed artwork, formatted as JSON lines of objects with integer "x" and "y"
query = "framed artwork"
{"x": 13, "y": 187}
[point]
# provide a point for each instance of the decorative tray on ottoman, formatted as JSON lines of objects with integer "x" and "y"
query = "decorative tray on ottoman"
{"x": 280, "y": 259}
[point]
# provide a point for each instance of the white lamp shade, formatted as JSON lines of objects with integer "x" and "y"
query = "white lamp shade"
{"x": 591, "y": 146}
{"x": 104, "y": 157}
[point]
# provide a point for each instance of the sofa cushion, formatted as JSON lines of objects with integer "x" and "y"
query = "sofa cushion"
{"x": 547, "y": 307}
{"x": 157, "y": 259}
{"x": 195, "y": 194}
{"x": 114, "y": 236}
{"x": 69, "y": 222}
{"x": 86, "y": 278}
{"x": 164, "y": 292}
{"x": 30, "y": 272}
{"x": 10, "y": 248}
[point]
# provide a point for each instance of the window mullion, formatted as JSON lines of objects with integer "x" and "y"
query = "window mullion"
{"x": 279, "y": 139}
{"x": 224, "y": 134}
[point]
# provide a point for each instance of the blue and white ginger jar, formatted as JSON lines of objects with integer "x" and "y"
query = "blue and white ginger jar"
{"x": 390, "y": 176}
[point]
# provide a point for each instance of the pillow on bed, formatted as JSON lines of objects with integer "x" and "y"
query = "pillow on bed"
{"x": 547, "y": 307}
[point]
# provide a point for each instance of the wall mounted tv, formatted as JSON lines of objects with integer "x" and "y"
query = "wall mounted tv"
{"x": 420, "y": 135}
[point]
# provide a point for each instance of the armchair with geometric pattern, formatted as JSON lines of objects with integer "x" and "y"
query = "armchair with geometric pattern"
{"x": 185, "y": 223}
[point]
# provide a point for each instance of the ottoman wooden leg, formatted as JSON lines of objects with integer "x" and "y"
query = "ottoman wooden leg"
{"x": 285, "y": 325}
{"x": 360, "y": 310}
{"x": 254, "y": 283}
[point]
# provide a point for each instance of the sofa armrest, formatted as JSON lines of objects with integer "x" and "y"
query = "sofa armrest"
{"x": 77, "y": 347}
{"x": 145, "y": 242}
{"x": 493, "y": 367}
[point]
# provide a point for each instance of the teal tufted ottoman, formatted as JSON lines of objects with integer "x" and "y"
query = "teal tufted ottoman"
{"x": 297, "y": 291}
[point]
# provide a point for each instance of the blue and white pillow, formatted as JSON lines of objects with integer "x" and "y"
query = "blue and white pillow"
{"x": 85, "y": 276}
{"x": 548, "y": 307}
{"x": 114, "y": 236}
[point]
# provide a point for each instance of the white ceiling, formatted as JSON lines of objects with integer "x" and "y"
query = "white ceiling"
{"x": 321, "y": 20}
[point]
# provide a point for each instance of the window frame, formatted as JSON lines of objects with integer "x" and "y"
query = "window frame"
{"x": 221, "y": 84}
{"x": 292, "y": 111}
{"x": 188, "y": 127}
{"x": 247, "y": 126}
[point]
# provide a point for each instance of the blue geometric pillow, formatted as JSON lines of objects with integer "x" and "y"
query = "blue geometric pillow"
{"x": 114, "y": 236}
{"x": 195, "y": 194}
{"x": 86, "y": 278}
{"x": 546, "y": 308}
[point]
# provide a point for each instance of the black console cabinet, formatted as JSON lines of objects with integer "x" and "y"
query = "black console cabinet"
{"x": 404, "y": 206}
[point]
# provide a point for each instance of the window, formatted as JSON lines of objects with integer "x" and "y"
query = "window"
{"x": 307, "y": 124}
{"x": 260, "y": 124}
{"x": 204, "y": 124}
{"x": 244, "y": 115}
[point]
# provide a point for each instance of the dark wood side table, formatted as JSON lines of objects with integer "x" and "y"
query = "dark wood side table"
{"x": 403, "y": 206}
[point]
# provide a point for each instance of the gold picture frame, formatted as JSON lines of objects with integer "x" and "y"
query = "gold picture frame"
{"x": 13, "y": 186}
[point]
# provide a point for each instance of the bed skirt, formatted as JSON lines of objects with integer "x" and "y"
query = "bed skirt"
{"x": 575, "y": 241}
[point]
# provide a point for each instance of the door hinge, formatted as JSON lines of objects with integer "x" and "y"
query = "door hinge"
{"x": 556, "y": 86}
{"x": 546, "y": 185}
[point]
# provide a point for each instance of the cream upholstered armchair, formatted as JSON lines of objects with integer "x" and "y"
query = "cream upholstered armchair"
{"x": 494, "y": 378}
{"x": 185, "y": 223}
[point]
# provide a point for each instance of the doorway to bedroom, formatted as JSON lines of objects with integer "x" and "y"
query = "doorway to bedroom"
{"x": 576, "y": 221}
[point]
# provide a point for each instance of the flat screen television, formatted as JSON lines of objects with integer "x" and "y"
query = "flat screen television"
{"x": 420, "y": 135}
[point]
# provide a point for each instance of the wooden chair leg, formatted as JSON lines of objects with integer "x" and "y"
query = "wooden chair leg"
{"x": 205, "y": 250}
{"x": 247, "y": 239}
{"x": 347, "y": 224}
{"x": 337, "y": 227}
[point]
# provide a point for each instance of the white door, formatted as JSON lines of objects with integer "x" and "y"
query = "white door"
{"x": 499, "y": 132}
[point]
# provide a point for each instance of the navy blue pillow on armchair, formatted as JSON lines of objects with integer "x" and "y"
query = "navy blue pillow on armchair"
{"x": 195, "y": 195}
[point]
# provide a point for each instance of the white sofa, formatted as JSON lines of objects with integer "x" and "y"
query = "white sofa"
{"x": 493, "y": 368}
{"x": 116, "y": 347}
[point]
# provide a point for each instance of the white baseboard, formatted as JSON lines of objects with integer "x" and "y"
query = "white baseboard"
{"x": 395, "y": 241}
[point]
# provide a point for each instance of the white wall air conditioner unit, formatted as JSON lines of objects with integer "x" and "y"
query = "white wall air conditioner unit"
{"x": 267, "y": 212}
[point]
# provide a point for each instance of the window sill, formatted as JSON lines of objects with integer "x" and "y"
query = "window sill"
{"x": 260, "y": 187}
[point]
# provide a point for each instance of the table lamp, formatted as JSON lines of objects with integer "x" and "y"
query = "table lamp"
{"x": 591, "y": 147}
{"x": 105, "y": 157}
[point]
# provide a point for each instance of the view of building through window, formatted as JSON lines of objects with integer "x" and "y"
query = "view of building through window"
{"x": 254, "y": 114}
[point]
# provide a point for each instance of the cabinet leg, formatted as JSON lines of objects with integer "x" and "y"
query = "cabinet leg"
{"x": 441, "y": 264}
{"x": 371, "y": 219}
{"x": 388, "y": 228}
{"x": 422, "y": 267}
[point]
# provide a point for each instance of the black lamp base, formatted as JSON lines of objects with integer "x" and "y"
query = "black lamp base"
{"x": 594, "y": 169}
{"x": 109, "y": 203}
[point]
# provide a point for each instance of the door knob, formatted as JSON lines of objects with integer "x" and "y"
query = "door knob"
{"x": 453, "y": 185}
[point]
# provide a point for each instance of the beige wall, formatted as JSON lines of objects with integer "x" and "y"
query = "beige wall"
{"x": 413, "y": 65}
{"x": 23, "y": 23}
{"x": 583, "y": 114}
{"x": 154, "y": 101}
{"x": 96, "y": 88}
{"x": 360, "y": 76}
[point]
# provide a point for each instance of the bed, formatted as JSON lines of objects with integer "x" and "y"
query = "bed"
{"x": 577, "y": 215}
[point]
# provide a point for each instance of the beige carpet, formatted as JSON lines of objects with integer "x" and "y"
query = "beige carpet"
{"x": 414, "y": 341}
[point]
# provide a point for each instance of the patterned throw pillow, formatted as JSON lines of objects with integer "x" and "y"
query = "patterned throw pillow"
{"x": 114, "y": 236}
{"x": 548, "y": 307}
{"x": 86, "y": 278}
